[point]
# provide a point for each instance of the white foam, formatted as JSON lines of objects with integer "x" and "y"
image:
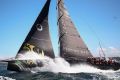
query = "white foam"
{"x": 60, "y": 65}
{"x": 30, "y": 55}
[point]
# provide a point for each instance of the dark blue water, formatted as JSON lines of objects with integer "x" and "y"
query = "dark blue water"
{"x": 56, "y": 76}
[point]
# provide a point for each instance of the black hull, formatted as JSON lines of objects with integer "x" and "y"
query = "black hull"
{"x": 112, "y": 63}
{"x": 106, "y": 66}
{"x": 100, "y": 65}
{"x": 13, "y": 67}
{"x": 23, "y": 65}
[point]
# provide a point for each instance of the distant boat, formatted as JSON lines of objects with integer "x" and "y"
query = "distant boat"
{"x": 71, "y": 46}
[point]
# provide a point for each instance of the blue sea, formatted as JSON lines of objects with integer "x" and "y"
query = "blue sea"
{"x": 78, "y": 72}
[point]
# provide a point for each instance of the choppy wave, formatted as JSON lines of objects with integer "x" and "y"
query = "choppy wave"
{"x": 6, "y": 78}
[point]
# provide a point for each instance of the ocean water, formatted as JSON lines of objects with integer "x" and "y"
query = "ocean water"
{"x": 47, "y": 75}
{"x": 58, "y": 69}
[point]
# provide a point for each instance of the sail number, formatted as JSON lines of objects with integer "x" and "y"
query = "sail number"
{"x": 84, "y": 50}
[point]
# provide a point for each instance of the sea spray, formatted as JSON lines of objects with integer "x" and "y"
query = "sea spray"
{"x": 58, "y": 64}
{"x": 30, "y": 55}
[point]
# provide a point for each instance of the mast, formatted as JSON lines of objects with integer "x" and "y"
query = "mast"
{"x": 102, "y": 51}
{"x": 38, "y": 39}
{"x": 72, "y": 47}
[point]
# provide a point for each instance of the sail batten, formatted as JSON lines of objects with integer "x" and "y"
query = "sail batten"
{"x": 72, "y": 47}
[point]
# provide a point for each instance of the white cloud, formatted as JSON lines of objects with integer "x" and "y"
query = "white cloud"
{"x": 109, "y": 51}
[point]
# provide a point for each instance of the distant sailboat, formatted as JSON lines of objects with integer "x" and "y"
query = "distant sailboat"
{"x": 38, "y": 40}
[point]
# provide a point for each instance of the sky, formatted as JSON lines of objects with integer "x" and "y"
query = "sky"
{"x": 96, "y": 21}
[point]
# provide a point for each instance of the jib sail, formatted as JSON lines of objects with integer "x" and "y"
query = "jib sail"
{"x": 38, "y": 39}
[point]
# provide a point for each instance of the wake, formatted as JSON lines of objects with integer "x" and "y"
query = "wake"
{"x": 60, "y": 65}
